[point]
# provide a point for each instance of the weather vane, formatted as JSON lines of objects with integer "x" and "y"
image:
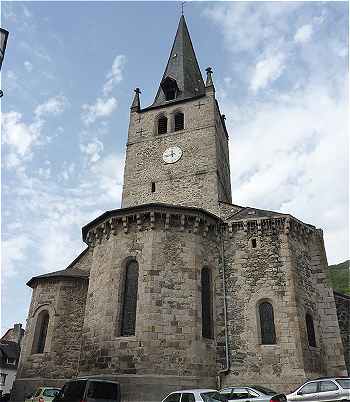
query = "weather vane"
{"x": 182, "y": 7}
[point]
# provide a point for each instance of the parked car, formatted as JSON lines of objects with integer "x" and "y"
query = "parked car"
{"x": 252, "y": 393}
{"x": 43, "y": 394}
{"x": 89, "y": 390}
{"x": 322, "y": 390}
{"x": 195, "y": 395}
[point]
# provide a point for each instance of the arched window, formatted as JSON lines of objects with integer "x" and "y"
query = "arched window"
{"x": 40, "y": 333}
{"x": 129, "y": 304}
{"x": 179, "y": 121}
{"x": 207, "y": 304}
{"x": 267, "y": 324}
{"x": 170, "y": 88}
{"x": 310, "y": 330}
{"x": 162, "y": 125}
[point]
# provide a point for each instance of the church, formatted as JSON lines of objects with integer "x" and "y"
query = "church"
{"x": 181, "y": 288}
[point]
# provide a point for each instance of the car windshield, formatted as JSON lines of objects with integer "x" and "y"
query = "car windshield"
{"x": 264, "y": 390}
{"x": 73, "y": 391}
{"x": 344, "y": 382}
{"x": 51, "y": 392}
{"x": 213, "y": 397}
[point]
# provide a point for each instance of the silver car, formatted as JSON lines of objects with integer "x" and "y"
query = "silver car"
{"x": 322, "y": 390}
{"x": 252, "y": 393}
{"x": 195, "y": 395}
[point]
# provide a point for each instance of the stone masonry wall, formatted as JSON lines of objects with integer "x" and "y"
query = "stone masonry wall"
{"x": 168, "y": 339}
{"x": 64, "y": 299}
{"x": 193, "y": 180}
{"x": 254, "y": 275}
{"x": 315, "y": 297}
{"x": 343, "y": 311}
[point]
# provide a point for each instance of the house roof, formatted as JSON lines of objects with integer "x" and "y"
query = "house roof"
{"x": 10, "y": 349}
{"x": 182, "y": 67}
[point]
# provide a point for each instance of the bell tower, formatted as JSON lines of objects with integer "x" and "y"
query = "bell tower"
{"x": 177, "y": 150}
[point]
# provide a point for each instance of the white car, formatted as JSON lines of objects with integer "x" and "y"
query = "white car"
{"x": 195, "y": 395}
{"x": 322, "y": 390}
{"x": 43, "y": 394}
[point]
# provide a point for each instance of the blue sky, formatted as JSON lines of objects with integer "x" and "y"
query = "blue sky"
{"x": 281, "y": 75}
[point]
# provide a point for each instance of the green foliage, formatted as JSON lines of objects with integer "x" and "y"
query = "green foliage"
{"x": 340, "y": 277}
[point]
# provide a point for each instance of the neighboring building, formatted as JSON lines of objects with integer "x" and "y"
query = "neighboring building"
{"x": 10, "y": 347}
{"x": 180, "y": 287}
{"x": 342, "y": 303}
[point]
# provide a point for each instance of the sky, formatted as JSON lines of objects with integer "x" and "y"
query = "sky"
{"x": 281, "y": 78}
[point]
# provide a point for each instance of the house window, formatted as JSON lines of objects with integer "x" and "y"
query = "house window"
{"x": 2, "y": 378}
{"x": 128, "y": 316}
{"x": 253, "y": 243}
{"x": 153, "y": 187}
{"x": 179, "y": 121}
{"x": 267, "y": 324}
{"x": 207, "y": 308}
{"x": 41, "y": 332}
{"x": 11, "y": 360}
{"x": 162, "y": 125}
{"x": 310, "y": 330}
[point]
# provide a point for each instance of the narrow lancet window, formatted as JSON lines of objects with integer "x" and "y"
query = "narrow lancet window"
{"x": 162, "y": 125}
{"x": 179, "y": 121}
{"x": 41, "y": 332}
{"x": 129, "y": 305}
{"x": 310, "y": 330}
{"x": 207, "y": 304}
{"x": 267, "y": 324}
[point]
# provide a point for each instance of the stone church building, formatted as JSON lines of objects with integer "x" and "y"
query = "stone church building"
{"x": 179, "y": 287}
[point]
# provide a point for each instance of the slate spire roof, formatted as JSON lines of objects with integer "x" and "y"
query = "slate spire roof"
{"x": 183, "y": 68}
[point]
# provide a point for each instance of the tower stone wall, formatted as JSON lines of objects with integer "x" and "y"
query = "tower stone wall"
{"x": 195, "y": 180}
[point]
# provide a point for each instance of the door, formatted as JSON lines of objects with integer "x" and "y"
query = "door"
{"x": 328, "y": 391}
{"x": 308, "y": 392}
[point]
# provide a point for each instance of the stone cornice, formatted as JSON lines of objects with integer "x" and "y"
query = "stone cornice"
{"x": 150, "y": 217}
{"x": 286, "y": 224}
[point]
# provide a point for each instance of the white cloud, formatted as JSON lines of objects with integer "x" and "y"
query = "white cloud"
{"x": 28, "y": 66}
{"x": 115, "y": 75}
{"x": 101, "y": 108}
{"x": 292, "y": 159}
{"x": 53, "y": 106}
{"x": 19, "y": 135}
{"x": 266, "y": 71}
{"x": 14, "y": 252}
{"x": 303, "y": 34}
{"x": 92, "y": 150}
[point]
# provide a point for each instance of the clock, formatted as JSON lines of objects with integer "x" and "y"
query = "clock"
{"x": 172, "y": 154}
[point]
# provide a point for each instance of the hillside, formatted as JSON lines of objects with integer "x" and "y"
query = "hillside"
{"x": 340, "y": 277}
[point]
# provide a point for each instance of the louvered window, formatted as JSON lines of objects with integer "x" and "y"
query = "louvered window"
{"x": 310, "y": 330}
{"x": 179, "y": 121}
{"x": 207, "y": 307}
{"x": 41, "y": 332}
{"x": 267, "y": 324}
{"x": 162, "y": 125}
{"x": 128, "y": 316}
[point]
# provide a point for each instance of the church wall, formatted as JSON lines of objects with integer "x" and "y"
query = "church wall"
{"x": 315, "y": 297}
{"x": 254, "y": 275}
{"x": 168, "y": 342}
{"x": 65, "y": 301}
{"x": 191, "y": 181}
{"x": 343, "y": 312}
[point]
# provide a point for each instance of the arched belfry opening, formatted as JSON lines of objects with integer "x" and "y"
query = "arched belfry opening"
{"x": 170, "y": 88}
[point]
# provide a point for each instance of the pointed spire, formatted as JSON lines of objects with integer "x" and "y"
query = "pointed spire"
{"x": 182, "y": 73}
{"x": 135, "y": 106}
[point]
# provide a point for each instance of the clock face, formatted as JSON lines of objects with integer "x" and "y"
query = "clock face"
{"x": 172, "y": 154}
